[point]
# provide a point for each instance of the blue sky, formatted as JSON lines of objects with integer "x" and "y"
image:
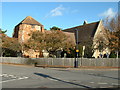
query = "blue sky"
{"x": 61, "y": 14}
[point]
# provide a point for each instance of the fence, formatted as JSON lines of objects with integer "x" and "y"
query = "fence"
{"x": 63, "y": 62}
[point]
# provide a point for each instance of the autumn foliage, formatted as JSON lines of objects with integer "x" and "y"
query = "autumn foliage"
{"x": 49, "y": 40}
{"x": 9, "y": 45}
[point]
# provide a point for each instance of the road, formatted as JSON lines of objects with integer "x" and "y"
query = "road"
{"x": 14, "y": 76}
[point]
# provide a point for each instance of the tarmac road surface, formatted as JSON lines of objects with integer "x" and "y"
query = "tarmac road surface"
{"x": 14, "y": 76}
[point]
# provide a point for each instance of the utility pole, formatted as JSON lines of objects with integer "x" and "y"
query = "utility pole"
{"x": 77, "y": 50}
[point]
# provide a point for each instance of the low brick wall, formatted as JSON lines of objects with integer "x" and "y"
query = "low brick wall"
{"x": 63, "y": 62}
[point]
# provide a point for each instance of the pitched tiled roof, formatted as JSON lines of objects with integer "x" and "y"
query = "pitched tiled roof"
{"x": 71, "y": 37}
{"x": 85, "y": 32}
{"x": 30, "y": 20}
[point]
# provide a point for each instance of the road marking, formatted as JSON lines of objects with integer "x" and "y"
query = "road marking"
{"x": 14, "y": 79}
{"x": 1, "y": 75}
{"x": 52, "y": 79}
{"x": 115, "y": 84}
{"x": 26, "y": 77}
{"x": 6, "y": 75}
{"x": 102, "y": 83}
{"x": 8, "y": 80}
{"x": 12, "y": 76}
{"x": 103, "y": 87}
{"x": 91, "y": 82}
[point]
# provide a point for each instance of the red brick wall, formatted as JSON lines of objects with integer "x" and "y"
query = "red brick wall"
{"x": 22, "y": 32}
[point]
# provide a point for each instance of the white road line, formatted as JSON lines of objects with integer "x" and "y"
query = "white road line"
{"x": 14, "y": 79}
{"x": 20, "y": 78}
{"x": 103, "y": 87}
{"x": 1, "y": 75}
{"x": 11, "y": 75}
{"x": 115, "y": 84}
{"x": 102, "y": 83}
{"x": 8, "y": 80}
{"x": 91, "y": 82}
{"x": 25, "y": 77}
{"x": 52, "y": 79}
{"x": 4, "y": 75}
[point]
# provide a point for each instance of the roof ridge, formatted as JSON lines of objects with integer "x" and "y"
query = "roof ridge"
{"x": 83, "y": 25}
{"x": 30, "y": 20}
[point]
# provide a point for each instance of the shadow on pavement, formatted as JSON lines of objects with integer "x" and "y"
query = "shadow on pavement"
{"x": 47, "y": 76}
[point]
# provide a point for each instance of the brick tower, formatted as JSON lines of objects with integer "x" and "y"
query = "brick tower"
{"x": 24, "y": 28}
{"x": 22, "y": 32}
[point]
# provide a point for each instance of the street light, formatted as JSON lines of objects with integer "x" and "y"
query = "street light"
{"x": 77, "y": 50}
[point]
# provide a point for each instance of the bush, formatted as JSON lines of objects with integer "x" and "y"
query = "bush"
{"x": 112, "y": 55}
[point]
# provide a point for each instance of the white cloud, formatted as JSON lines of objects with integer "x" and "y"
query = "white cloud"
{"x": 109, "y": 13}
{"x": 58, "y": 11}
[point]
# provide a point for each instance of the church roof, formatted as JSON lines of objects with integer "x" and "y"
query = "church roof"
{"x": 85, "y": 32}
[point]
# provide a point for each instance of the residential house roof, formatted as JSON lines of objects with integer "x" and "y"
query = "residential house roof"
{"x": 71, "y": 37}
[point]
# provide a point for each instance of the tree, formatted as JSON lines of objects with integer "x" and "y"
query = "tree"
{"x": 113, "y": 27}
{"x": 88, "y": 49}
{"x": 100, "y": 44}
{"x": 88, "y": 52}
{"x": 51, "y": 41}
{"x": 55, "y": 28}
{"x": 2, "y": 31}
{"x": 10, "y": 46}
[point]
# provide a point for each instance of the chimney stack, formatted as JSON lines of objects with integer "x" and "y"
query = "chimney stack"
{"x": 85, "y": 22}
{"x": 42, "y": 29}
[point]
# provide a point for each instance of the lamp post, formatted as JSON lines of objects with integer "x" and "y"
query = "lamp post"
{"x": 77, "y": 50}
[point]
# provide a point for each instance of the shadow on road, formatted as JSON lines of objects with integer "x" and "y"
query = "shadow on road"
{"x": 47, "y": 76}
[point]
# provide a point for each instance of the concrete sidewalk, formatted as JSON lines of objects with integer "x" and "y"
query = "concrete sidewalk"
{"x": 67, "y": 68}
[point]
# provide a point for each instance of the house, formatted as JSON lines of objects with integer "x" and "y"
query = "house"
{"x": 22, "y": 32}
{"x": 91, "y": 34}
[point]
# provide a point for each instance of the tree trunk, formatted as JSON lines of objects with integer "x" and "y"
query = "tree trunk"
{"x": 2, "y": 53}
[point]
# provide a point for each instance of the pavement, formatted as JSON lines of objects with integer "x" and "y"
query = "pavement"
{"x": 19, "y": 76}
